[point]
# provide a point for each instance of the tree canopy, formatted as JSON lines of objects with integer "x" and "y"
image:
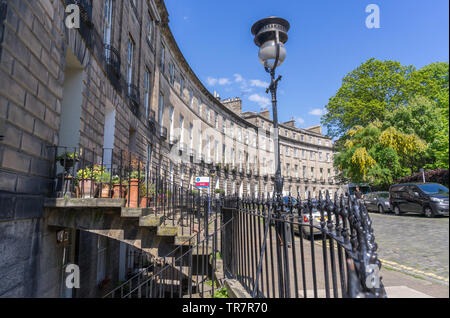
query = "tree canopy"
{"x": 390, "y": 120}
{"x": 376, "y": 88}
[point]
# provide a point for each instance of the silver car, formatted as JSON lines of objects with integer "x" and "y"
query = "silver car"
{"x": 377, "y": 201}
{"x": 306, "y": 223}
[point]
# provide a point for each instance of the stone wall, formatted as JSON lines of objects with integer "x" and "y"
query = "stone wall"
{"x": 32, "y": 69}
{"x": 33, "y": 64}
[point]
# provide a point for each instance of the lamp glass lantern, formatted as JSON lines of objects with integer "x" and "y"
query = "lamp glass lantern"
{"x": 270, "y": 36}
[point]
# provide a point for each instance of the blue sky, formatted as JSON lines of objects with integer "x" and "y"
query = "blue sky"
{"x": 327, "y": 40}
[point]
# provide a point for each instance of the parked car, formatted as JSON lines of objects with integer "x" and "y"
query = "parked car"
{"x": 377, "y": 201}
{"x": 305, "y": 219}
{"x": 430, "y": 199}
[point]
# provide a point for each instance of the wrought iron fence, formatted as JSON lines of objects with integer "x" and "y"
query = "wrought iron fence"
{"x": 273, "y": 251}
{"x": 276, "y": 248}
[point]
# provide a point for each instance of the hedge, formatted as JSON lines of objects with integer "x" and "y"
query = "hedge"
{"x": 437, "y": 176}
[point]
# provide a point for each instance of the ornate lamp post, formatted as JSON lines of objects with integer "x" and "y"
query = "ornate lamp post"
{"x": 270, "y": 36}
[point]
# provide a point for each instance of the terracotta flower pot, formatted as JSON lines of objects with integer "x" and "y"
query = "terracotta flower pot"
{"x": 88, "y": 188}
{"x": 144, "y": 202}
{"x": 106, "y": 191}
{"x": 133, "y": 196}
{"x": 119, "y": 192}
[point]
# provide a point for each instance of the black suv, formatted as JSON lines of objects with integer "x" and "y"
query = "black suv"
{"x": 430, "y": 199}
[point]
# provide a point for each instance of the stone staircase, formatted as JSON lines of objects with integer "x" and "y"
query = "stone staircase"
{"x": 154, "y": 233}
{"x": 174, "y": 239}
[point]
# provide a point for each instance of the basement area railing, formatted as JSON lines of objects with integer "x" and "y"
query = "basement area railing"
{"x": 288, "y": 248}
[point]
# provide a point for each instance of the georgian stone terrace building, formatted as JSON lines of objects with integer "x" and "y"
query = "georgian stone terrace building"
{"x": 118, "y": 82}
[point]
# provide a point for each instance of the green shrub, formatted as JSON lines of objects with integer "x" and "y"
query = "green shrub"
{"x": 221, "y": 293}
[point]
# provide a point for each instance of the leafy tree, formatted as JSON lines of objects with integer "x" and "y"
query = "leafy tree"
{"x": 376, "y": 88}
{"x": 439, "y": 148}
{"x": 390, "y": 121}
{"x": 423, "y": 117}
{"x": 379, "y": 156}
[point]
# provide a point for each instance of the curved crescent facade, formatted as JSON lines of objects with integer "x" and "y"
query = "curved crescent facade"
{"x": 138, "y": 93}
{"x": 196, "y": 131}
{"x": 116, "y": 79}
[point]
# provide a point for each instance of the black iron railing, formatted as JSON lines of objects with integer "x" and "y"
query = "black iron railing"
{"x": 118, "y": 174}
{"x": 152, "y": 121}
{"x": 112, "y": 59}
{"x": 270, "y": 261}
{"x": 134, "y": 97}
{"x": 3, "y": 10}
{"x": 269, "y": 246}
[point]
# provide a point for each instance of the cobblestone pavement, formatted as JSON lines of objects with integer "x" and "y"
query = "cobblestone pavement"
{"x": 414, "y": 244}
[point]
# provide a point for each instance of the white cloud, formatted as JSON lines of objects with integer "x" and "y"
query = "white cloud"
{"x": 238, "y": 78}
{"x": 317, "y": 112}
{"x": 246, "y": 90}
{"x": 258, "y": 83}
{"x": 224, "y": 81}
{"x": 211, "y": 81}
{"x": 260, "y": 100}
{"x": 300, "y": 121}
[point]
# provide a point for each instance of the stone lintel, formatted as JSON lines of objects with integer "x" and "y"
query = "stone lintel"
{"x": 83, "y": 203}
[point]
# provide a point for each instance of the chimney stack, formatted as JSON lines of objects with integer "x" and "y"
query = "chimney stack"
{"x": 265, "y": 113}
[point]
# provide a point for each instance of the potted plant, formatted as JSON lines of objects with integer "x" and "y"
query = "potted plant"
{"x": 136, "y": 178}
{"x": 105, "y": 180}
{"x": 119, "y": 190}
{"x": 86, "y": 183}
{"x": 68, "y": 159}
{"x": 146, "y": 195}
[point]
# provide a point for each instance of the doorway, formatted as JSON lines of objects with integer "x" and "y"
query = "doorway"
{"x": 69, "y": 131}
{"x": 108, "y": 135}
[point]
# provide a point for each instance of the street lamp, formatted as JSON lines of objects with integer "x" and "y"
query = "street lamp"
{"x": 270, "y": 36}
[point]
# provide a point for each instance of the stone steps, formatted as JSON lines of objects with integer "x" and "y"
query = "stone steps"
{"x": 156, "y": 234}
